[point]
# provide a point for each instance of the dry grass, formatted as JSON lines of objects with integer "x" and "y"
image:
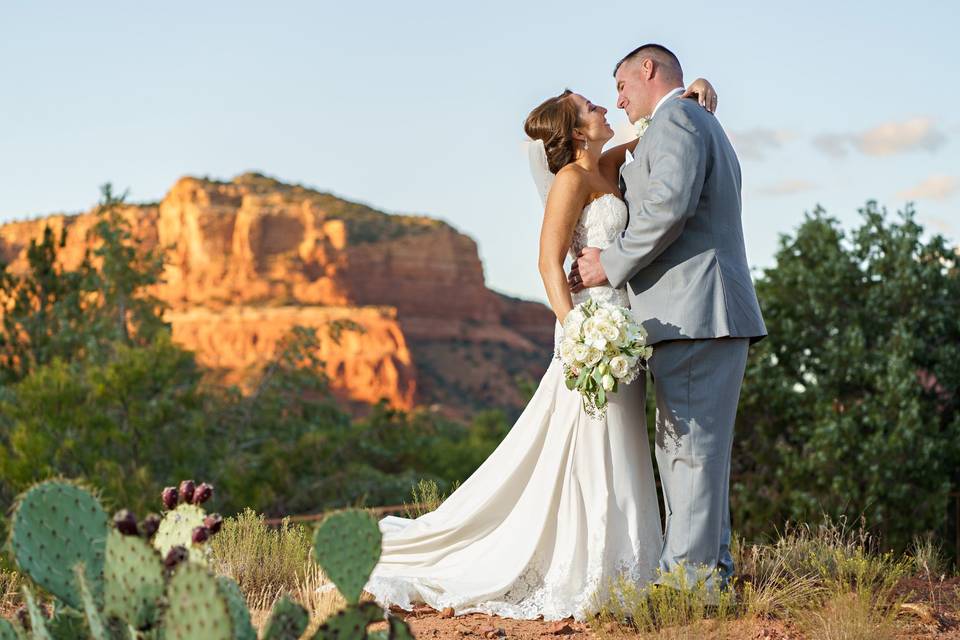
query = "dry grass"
{"x": 10, "y": 583}
{"x": 261, "y": 559}
{"x": 655, "y": 609}
{"x": 268, "y": 563}
{"x": 827, "y": 582}
{"x": 426, "y": 497}
{"x": 927, "y": 557}
{"x": 830, "y": 582}
{"x": 853, "y": 615}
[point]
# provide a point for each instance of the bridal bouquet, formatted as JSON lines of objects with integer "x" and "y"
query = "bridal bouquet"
{"x": 602, "y": 348}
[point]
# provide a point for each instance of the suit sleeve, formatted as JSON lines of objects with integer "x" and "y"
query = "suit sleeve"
{"x": 658, "y": 214}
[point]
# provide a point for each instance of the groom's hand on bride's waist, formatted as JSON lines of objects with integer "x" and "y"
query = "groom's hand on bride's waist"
{"x": 586, "y": 270}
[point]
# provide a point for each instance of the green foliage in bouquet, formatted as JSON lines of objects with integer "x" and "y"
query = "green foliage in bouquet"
{"x": 603, "y": 346}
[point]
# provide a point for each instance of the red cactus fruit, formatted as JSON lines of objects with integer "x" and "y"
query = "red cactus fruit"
{"x": 125, "y": 522}
{"x": 200, "y": 535}
{"x": 169, "y": 497}
{"x": 203, "y": 493}
{"x": 187, "y": 487}
{"x": 213, "y": 522}
{"x": 175, "y": 556}
{"x": 150, "y": 525}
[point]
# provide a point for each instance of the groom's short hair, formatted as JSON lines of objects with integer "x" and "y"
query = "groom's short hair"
{"x": 660, "y": 54}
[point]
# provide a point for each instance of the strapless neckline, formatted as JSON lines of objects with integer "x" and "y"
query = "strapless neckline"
{"x": 597, "y": 199}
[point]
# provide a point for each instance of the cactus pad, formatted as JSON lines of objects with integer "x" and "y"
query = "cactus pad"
{"x": 196, "y": 610}
{"x": 177, "y": 527}
{"x": 8, "y": 631}
{"x": 242, "y": 629}
{"x": 91, "y": 613}
{"x": 399, "y": 629}
{"x": 347, "y": 547}
{"x": 350, "y": 623}
{"x": 133, "y": 580}
{"x": 396, "y": 629}
{"x": 288, "y": 620}
{"x": 38, "y": 623}
{"x": 56, "y": 525}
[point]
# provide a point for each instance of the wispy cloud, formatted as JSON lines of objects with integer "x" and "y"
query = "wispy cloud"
{"x": 832, "y": 144}
{"x": 786, "y": 187}
{"x": 933, "y": 188}
{"x": 755, "y": 143}
{"x": 888, "y": 138}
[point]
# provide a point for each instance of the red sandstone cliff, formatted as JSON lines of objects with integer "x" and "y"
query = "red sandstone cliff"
{"x": 250, "y": 258}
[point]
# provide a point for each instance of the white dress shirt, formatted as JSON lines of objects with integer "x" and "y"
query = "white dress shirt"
{"x": 676, "y": 92}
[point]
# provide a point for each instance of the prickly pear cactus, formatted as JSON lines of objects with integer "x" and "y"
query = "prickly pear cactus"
{"x": 397, "y": 629}
{"x": 67, "y": 624}
{"x": 347, "y": 547}
{"x": 196, "y": 610}
{"x": 133, "y": 580}
{"x": 94, "y": 620}
{"x": 8, "y": 631}
{"x": 177, "y": 527}
{"x": 242, "y": 629}
{"x": 288, "y": 620}
{"x": 38, "y": 622}
{"x": 57, "y": 524}
{"x": 350, "y": 622}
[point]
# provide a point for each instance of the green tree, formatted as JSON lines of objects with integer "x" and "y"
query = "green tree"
{"x": 50, "y": 312}
{"x": 849, "y": 407}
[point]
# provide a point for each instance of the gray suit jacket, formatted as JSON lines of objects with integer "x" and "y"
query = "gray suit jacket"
{"x": 682, "y": 253}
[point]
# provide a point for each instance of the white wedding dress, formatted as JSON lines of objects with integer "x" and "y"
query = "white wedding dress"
{"x": 562, "y": 507}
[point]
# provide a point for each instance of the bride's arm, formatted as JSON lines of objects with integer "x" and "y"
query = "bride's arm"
{"x": 564, "y": 205}
{"x": 704, "y": 93}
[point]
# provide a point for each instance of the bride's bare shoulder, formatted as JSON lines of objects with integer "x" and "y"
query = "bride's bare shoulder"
{"x": 569, "y": 189}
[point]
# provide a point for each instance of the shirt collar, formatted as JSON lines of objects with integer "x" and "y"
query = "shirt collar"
{"x": 673, "y": 93}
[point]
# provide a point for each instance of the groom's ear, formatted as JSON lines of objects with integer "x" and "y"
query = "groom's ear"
{"x": 648, "y": 68}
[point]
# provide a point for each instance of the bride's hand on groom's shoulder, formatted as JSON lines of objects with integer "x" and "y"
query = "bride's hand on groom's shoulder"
{"x": 703, "y": 92}
{"x": 587, "y": 271}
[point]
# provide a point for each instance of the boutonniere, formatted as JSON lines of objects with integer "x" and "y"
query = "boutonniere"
{"x": 640, "y": 126}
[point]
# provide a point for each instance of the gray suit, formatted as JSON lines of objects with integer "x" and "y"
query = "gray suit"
{"x": 683, "y": 259}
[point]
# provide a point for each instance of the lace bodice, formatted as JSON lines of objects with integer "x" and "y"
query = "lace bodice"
{"x": 600, "y": 223}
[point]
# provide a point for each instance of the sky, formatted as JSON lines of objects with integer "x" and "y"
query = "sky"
{"x": 417, "y": 107}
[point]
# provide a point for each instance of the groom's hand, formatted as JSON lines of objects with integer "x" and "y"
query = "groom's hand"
{"x": 586, "y": 270}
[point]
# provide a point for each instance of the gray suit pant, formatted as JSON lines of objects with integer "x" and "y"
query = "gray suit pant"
{"x": 697, "y": 385}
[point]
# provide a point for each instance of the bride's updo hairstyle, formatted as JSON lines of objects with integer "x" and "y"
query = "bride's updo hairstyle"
{"x": 554, "y": 122}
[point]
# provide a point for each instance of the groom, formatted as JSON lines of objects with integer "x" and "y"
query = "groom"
{"x": 683, "y": 260}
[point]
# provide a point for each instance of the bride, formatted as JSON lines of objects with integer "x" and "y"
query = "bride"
{"x": 566, "y": 503}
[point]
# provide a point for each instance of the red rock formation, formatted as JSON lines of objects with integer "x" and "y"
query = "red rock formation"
{"x": 249, "y": 258}
{"x": 363, "y": 366}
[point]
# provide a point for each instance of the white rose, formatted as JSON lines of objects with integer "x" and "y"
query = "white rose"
{"x": 623, "y": 337}
{"x": 609, "y": 331}
{"x": 603, "y": 315}
{"x": 566, "y": 350}
{"x": 619, "y": 366}
{"x": 607, "y": 381}
{"x": 593, "y": 356}
{"x": 597, "y": 341}
{"x": 573, "y": 323}
{"x": 580, "y": 351}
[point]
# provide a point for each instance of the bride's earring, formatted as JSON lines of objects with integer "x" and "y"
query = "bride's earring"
{"x": 586, "y": 145}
